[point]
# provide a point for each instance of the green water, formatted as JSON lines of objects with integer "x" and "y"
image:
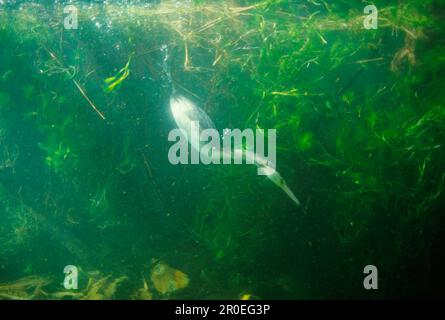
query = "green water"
{"x": 85, "y": 178}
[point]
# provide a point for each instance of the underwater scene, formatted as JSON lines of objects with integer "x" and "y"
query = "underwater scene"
{"x": 245, "y": 149}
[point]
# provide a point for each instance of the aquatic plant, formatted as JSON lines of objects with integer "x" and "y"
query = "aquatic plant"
{"x": 359, "y": 114}
{"x": 98, "y": 287}
{"x": 115, "y": 81}
{"x": 27, "y": 288}
{"x": 167, "y": 280}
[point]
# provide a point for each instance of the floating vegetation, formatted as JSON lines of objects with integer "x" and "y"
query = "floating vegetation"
{"x": 360, "y": 127}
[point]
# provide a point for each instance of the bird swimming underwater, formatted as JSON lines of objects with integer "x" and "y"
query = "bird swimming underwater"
{"x": 185, "y": 112}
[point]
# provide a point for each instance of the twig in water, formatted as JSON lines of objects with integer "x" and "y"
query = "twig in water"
{"x": 88, "y": 99}
{"x": 81, "y": 90}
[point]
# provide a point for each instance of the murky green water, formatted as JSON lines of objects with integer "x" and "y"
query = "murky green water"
{"x": 85, "y": 178}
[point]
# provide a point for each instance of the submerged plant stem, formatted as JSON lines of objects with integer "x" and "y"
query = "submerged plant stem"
{"x": 88, "y": 99}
